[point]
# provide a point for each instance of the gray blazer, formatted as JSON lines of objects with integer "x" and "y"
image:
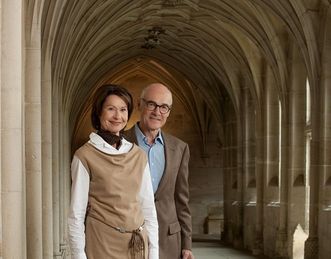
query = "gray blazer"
{"x": 172, "y": 197}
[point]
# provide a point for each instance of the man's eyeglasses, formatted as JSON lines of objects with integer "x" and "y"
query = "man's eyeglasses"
{"x": 151, "y": 106}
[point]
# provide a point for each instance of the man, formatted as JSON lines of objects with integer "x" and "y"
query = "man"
{"x": 168, "y": 159}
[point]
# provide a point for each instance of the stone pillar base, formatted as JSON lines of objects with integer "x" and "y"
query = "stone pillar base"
{"x": 282, "y": 245}
{"x": 311, "y": 248}
{"x": 258, "y": 247}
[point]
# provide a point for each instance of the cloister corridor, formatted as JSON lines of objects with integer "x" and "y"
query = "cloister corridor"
{"x": 251, "y": 81}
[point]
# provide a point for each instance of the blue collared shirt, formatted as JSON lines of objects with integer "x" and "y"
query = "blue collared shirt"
{"x": 155, "y": 153}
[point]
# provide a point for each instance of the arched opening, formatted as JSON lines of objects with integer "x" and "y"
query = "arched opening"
{"x": 191, "y": 119}
{"x": 236, "y": 70}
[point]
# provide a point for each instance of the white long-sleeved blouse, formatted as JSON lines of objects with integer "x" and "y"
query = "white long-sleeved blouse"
{"x": 79, "y": 200}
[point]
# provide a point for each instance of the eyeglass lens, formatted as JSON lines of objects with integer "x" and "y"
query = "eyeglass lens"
{"x": 152, "y": 106}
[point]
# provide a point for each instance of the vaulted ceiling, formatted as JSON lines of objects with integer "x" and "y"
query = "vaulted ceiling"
{"x": 206, "y": 50}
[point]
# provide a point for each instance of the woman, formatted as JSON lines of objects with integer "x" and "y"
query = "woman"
{"x": 112, "y": 212}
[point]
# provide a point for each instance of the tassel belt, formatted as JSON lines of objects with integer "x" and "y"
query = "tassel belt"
{"x": 136, "y": 244}
{"x": 123, "y": 230}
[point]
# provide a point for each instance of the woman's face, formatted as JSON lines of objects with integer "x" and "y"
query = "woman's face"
{"x": 114, "y": 114}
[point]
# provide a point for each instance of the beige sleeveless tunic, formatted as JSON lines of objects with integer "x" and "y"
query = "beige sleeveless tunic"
{"x": 115, "y": 182}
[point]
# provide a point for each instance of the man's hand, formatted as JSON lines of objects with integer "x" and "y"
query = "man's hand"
{"x": 187, "y": 254}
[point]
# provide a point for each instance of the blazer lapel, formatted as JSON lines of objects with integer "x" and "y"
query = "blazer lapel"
{"x": 169, "y": 156}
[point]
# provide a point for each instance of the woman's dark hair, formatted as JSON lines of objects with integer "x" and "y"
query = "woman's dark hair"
{"x": 100, "y": 96}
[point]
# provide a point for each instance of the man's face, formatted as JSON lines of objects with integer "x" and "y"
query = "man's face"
{"x": 154, "y": 119}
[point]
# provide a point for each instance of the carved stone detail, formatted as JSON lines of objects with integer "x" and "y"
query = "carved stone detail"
{"x": 153, "y": 38}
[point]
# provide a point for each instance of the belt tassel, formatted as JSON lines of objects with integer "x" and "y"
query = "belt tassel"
{"x": 137, "y": 245}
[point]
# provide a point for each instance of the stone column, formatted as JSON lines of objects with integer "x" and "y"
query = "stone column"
{"x": 311, "y": 245}
{"x": 249, "y": 146}
{"x": 296, "y": 165}
{"x": 65, "y": 180}
{"x": 319, "y": 95}
{"x": 56, "y": 174}
{"x": 61, "y": 155}
{"x": 33, "y": 141}
{"x": 318, "y": 243}
{"x": 238, "y": 177}
{"x": 282, "y": 236}
{"x": 226, "y": 189}
{"x": 239, "y": 209}
{"x": 259, "y": 153}
{"x": 325, "y": 156}
{"x": 46, "y": 137}
{"x": 233, "y": 174}
{"x": 12, "y": 130}
{"x": 272, "y": 147}
{"x": 230, "y": 174}
{"x": 249, "y": 179}
{"x": 272, "y": 137}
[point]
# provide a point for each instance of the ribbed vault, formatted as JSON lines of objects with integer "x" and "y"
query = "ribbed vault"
{"x": 218, "y": 46}
{"x": 238, "y": 70}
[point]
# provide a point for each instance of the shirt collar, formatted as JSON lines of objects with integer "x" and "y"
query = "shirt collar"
{"x": 102, "y": 145}
{"x": 140, "y": 135}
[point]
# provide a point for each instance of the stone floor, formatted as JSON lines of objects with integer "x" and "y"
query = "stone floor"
{"x": 215, "y": 250}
